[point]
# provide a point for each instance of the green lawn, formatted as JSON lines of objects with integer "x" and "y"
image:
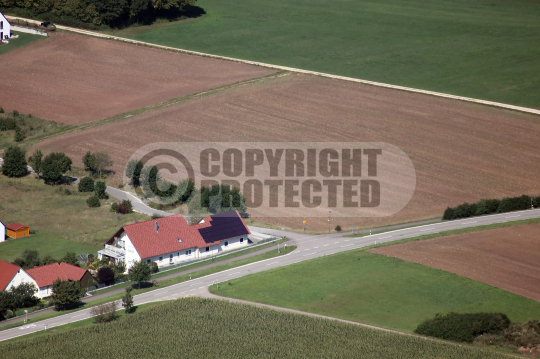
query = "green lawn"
{"x": 23, "y": 40}
{"x": 62, "y": 222}
{"x": 374, "y": 289}
{"x": 204, "y": 328}
{"x": 482, "y": 49}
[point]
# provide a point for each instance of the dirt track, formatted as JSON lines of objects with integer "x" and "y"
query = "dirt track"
{"x": 506, "y": 258}
{"x": 76, "y": 79}
{"x": 461, "y": 151}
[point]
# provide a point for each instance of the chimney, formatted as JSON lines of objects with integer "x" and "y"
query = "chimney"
{"x": 156, "y": 226}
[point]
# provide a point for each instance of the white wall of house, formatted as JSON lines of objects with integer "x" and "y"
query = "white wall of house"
{"x": 131, "y": 253}
{"x": 2, "y": 232}
{"x": 234, "y": 243}
{"x": 173, "y": 258}
{"x": 21, "y": 277}
{"x": 44, "y": 292}
{"x": 5, "y": 27}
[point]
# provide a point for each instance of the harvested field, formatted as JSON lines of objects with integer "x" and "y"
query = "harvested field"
{"x": 461, "y": 151}
{"x": 76, "y": 79}
{"x": 506, "y": 258}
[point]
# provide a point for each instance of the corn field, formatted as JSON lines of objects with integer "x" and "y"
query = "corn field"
{"x": 205, "y": 328}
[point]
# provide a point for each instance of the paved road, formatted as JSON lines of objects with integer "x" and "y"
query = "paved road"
{"x": 309, "y": 247}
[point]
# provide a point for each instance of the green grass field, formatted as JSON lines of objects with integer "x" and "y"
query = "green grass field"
{"x": 481, "y": 49}
{"x": 373, "y": 289}
{"x": 203, "y": 328}
{"x": 23, "y": 40}
{"x": 62, "y": 223}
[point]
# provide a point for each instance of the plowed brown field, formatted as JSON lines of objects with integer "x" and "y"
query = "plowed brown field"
{"x": 461, "y": 151}
{"x": 506, "y": 258}
{"x": 77, "y": 79}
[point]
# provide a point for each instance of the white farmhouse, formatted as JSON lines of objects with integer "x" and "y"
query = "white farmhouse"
{"x": 171, "y": 240}
{"x": 12, "y": 275}
{"x": 2, "y": 232}
{"x": 5, "y": 28}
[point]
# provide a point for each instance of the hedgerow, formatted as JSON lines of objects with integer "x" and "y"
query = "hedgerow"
{"x": 491, "y": 206}
{"x": 205, "y": 328}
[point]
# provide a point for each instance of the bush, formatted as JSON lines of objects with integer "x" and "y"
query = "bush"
{"x": 14, "y": 162}
{"x": 105, "y": 275}
{"x": 463, "y": 327}
{"x": 100, "y": 189}
{"x": 86, "y": 185}
{"x": 114, "y": 207}
{"x": 104, "y": 312}
{"x": 19, "y": 135}
{"x": 338, "y": 228}
{"x": 93, "y": 202}
{"x": 7, "y": 124}
{"x": 2, "y": 110}
{"x": 124, "y": 207}
{"x": 154, "y": 267}
{"x": 15, "y": 113}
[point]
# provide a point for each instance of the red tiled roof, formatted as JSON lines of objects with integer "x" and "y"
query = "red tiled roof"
{"x": 150, "y": 243}
{"x": 15, "y": 226}
{"x": 7, "y": 272}
{"x": 46, "y": 275}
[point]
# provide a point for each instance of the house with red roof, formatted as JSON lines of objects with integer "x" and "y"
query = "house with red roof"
{"x": 171, "y": 240}
{"x": 12, "y": 275}
{"x": 44, "y": 276}
{"x": 2, "y": 232}
{"x": 17, "y": 230}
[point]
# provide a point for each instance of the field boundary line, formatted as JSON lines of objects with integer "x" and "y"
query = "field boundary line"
{"x": 292, "y": 69}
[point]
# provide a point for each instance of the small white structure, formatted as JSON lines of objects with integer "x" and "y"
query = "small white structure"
{"x": 2, "y": 232}
{"x": 170, "y": 240}
{"x": 5, "y": 28}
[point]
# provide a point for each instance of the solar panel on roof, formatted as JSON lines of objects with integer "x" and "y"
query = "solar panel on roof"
{"x": 224, "y": 226}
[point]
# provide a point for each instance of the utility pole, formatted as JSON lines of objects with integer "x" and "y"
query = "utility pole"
{"x": 329, "y": 217}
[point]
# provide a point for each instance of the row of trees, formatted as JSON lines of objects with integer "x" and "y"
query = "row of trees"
{"x": 30, "y": 258}
{"x": 491, "y": 206}
{"x": 115, "y": 13}
{"x": 215, "y": 199}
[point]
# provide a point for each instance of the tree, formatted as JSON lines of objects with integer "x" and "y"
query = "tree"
{"x": 88, "y": 161}
{"x": 102, "y": 161}
{"x": 338, "y": 228}
{"x": 25, "y": 295}
{"x": 93, "y": 202}
{"x": 133, "y": 172}
{"x": 71, "y": 258}
{"x": 124, "y": 207}
{"x": 54, "y": 166}
{"x": 105, "y": 275}
{"x": 101, "y": 189}
{"x": 35, "y": 161}
{"x": 28, "y": 259}
{"x": 49, "y": 260}
{"x": 140, "y": 272}
{"x": 14, "y": 162}
{"x": 104, "y": 312}
{"x": 86, "y": 184}
{"x": 154, "y": 267}
{"x": 19, "y": 135}
{"x": 127, "y": 300}
{"x": 7, "y": 302}
{"x": 66, "y": 293}
{"x": 185, "y": 190}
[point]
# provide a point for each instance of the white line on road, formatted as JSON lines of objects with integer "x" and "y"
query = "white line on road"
{"x": 385, "y": 237}
{"x": 233, "y": 274}
{"x": 309, "y": 254}
{"x": 429, "y": 229}
{"x": 201, "y": 287}
{"x": 269, "y": 264}
{"x": 470, "y": 222}
{"x": 80, "y": 315}
{"x": 195, "y": 284}
{"x": 316, "y": 247}
{"x": 519, "y": 215}
{"x": 155, "y": 295}
{"x": 348, "y": 245}
{"x": 326, "y": 245}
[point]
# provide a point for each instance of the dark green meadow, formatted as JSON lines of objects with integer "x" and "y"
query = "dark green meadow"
{"x": 487, "y": 49}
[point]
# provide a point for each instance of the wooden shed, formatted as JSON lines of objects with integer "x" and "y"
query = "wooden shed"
{"x": 17, "y": 230}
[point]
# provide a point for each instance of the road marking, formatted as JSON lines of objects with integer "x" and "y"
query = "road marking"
{"x": 28, "y": 326}
{"x": 519, "y": 215}
{"x": 233, "y": 274}
{"x": 429, "y": 229}
{"x": 316, "y": 247}
{"x": 385, "y": 237}
{"x": 195, "y": 284}
{"x": 470, "y": 222}
{"x": 201, "y": 287}
{"x": 80, "y": 315}
{"x": 309, "y": 254}
{"x": 182, "y": 292}
{"x": 192, "y": 290}
{"x": 326, "y": 245}
{"x": 155, "y": 295}
{"x": 336, "y": 243}
{"x": 307, "y": 249}
{"x": 269, "y": 264}
{"x": 348, "y": 245}
{"x": 347, "y": 240}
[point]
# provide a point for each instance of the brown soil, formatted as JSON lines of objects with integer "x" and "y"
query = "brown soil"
{"x": 506, "y": 258}
{"x": 76, "y": 79}
{"x": 461, "y": 151}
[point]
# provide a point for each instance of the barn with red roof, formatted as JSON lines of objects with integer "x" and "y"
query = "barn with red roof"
{"x": 171, "y": 240}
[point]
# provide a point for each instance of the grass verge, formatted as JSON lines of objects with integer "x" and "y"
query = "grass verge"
{"x": 23, "y": 40}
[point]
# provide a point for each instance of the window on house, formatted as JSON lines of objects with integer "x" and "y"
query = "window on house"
{"x": 188, "y": 252}
{"x": 148, "y": 261}
{"x": 208, "y": 249}
{"x": 160, "y": 259}
{"x": 1, "y": 25}
{"x": 226, "y": 243}
{"x": 241, "y": 240}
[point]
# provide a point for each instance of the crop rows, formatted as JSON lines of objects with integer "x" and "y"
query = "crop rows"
{"x": 204, "y": 328}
